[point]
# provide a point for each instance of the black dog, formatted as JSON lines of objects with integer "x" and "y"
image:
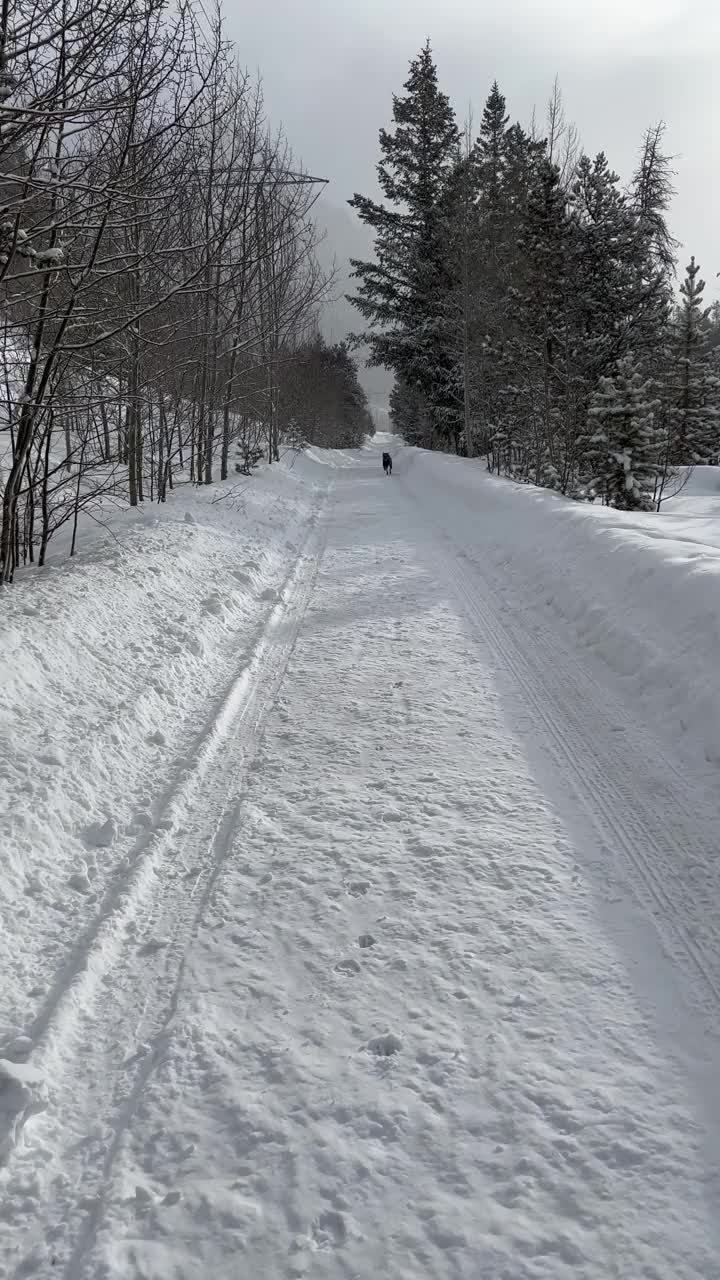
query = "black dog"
{"x": 387, "y": 464}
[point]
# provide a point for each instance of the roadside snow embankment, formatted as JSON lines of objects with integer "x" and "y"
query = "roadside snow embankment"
{"x": 638, "y": 593}
{"x": 112, "y": 668}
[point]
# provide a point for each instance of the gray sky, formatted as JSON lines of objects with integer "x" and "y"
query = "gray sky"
{"x": 330, "y": 67}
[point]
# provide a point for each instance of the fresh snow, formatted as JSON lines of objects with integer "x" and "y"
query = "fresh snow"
{"x": 360, "y": 886}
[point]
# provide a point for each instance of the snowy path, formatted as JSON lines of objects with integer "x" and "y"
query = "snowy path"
{"x": 420, "y": 975}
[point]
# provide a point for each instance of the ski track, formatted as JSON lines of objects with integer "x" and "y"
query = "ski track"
{"x": 640, "y": 803}
{"x": 384, "y": 998}
{"x": 127, "y": 887}
{"x": 133, "y": 952}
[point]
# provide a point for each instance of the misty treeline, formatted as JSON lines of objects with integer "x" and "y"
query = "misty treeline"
{"x": 159, "y": 281}
{"x": 527, "y": 301}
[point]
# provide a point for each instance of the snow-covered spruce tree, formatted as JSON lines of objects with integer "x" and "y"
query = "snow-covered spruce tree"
{"x": 485, "y": 216}
{"x": 410, "y": 415}
{"x": 585, "y": 294}
{"x": 541, "y": 312}
{"x": 609, "y": 293}
{"x": 623, "y": 445}
{"x": 491, "y": 162}
{"x": 508, "y": 411}
{"x": 488, "y": 186}
{"x": 650, "y": 192}
{"x": 461, "y": 302}
{"x": 401, "y": 294}
{"x": 713, "y": 329}
{"x": 694, "y": 391}
{"x": 607, "y": 270}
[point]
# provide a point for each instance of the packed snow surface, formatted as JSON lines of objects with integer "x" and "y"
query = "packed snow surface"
{"x": 360, "y": 886}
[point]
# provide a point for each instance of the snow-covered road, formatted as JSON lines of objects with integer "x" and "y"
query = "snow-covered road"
{"x": 418, "y": 972}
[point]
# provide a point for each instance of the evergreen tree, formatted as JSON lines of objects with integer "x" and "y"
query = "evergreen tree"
{"x": 410, "y": 415}
{"x": 609, "y": 284}
{"x": 402, "y": 293}
{"x": 491, "y": 161}
{"x": 523, "y": 156}
{"x": 694, "y": 395}
{"x": 713, "y": 328}
{"x": 651, "y": 192}
{"x": 506, "y": 163}
{"x": 582, "y": 295}
{"x": 461, "y": 221}
{"x": 624, "y": 446}
{"x": 515, "y": 297}
{"x": 541, "y": 305}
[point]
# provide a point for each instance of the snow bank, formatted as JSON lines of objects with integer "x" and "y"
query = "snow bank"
{"x": 337, "y": 459}
{"x": 112, "y": 664}
{"x": 638, "y": 593}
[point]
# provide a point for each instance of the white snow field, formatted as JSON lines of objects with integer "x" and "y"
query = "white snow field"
{"x": 360, "y": 887}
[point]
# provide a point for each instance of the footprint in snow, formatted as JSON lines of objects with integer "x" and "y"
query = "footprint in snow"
{"x": 143, "y": 1200}
{"x": 80, "y": 881}
{"x": 154, "y": 944}
{"x": 348, "y": 966}
{"x": 212, "y": 604}
{"x": 329, "y": 1230}
{"x": 385, "y": 1046}
{"x": 358, "y": 888}
{"x": 141, "y": 819}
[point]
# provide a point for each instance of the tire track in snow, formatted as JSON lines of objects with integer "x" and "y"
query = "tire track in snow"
{"x": 111, "y": 1007}
{"x": 639, "y": 820}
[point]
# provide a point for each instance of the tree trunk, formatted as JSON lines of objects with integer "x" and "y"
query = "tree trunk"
{"x": 225, "y": 443}
{"x": 76, "y": 511}
{"x": 45, "y": 536}
{"x": 209, "y": 442}
{"x": 107, "y": 447}
{"x": 161, "y": 456}
{"x": 139, "y": 447}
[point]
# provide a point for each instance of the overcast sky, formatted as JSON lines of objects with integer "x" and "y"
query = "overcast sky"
{"x": 330, "y": 67}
